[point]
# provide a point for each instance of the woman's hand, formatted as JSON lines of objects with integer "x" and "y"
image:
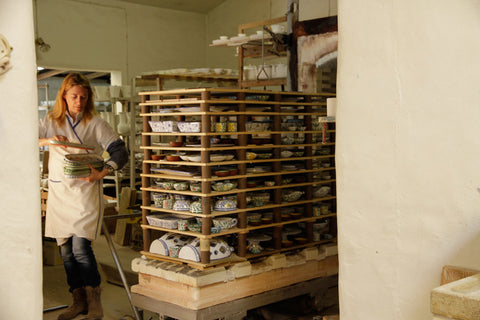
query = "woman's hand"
{"x": 95, "y": 175}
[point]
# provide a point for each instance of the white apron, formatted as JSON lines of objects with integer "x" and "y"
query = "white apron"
{"x": 75, "y": 207}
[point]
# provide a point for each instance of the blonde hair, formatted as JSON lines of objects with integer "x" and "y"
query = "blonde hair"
{"x": 59, "y": 110}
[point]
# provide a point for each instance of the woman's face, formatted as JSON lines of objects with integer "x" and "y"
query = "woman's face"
{"x": 76, "y": 98}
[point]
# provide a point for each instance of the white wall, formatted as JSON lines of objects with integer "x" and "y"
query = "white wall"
{"x": 20, "y": 249}
{"x": 408, "y": 150}
{"x": 112, "y": 35}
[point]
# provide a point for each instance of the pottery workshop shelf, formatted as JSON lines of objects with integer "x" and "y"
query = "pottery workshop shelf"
{"x": 232, "y": 174}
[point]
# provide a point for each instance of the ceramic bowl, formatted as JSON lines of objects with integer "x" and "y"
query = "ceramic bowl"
{"x": 180, "y": 186}
{"x": 163, "y": 126}
{"x": 224, "y": 186}
{"x": 317, "y": 226}
{"x": 176, "y": 143}
{"x": 251, "y": 184}
{"x": 222, "y": 173}
{"x": 287, "y": 243}
{"x": 257, "y": 126}
{"x": 257, "y": 203}
{"x": 196, "y": 207}
{"x": 253, "y": 216}
{"x": 286, "y": 154}
{"x": 255, "y": 223}
{"x": 269, "y": 183}
{"x": 263, "y": 196}
{"x": 194, "y": 227}
{"x": 196, "y": 187}
{"x": 251, "y": 155}
{"x": 233, "y": 172}
{"x": 215, "y": 229}
{"x": 288, "y": 140}
{"x": 158, "y": 199}
{"x": 228, "y": 157}
{"x": 291, "y": 196}
{"x": 189, "y": 126}
{"x": 300, "y": 240}
{"x": 168, "y": 185}
{"x": 266, "y": 220}
{"x": 264, "y": 155}
{"x": 225, "y": 222}
{"x": 173, "y": 158}
{"x": 217, "y": 157}
{"x": 225, "y": 205}
{"x": 321, "y": 192}
{"x": 181, "y": 205}
{"x": 173, "y": 251}
{"x": 157, "y": 157}
{"x": 195, "y": 158}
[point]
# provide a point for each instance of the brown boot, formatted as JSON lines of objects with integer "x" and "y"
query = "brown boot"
{"x": 95, "y": 310}
{"x": 79, "y": 305}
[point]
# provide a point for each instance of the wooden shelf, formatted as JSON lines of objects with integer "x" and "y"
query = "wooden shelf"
{"x": 241, "y": 104}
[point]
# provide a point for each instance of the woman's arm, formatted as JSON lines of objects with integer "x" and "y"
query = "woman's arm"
{"x": 118, "y": 158}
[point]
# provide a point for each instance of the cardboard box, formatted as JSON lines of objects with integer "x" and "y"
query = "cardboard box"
{"x": 51, "y": 253}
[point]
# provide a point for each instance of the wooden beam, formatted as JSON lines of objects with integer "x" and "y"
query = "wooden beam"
{"x": 95, "y": 75}
{"x": 49, "y": 74}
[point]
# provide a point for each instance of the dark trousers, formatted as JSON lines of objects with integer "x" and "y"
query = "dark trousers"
{"x": 80, "y": 264}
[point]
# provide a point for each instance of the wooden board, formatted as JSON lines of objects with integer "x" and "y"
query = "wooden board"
{"x": 235, "y": 309}
{"x": 197, "y": 298}
{"x": 452, "y": 273}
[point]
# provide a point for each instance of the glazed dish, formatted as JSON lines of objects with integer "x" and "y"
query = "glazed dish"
{"x": 77, "y": 165}
{"x": 71, "y": 144}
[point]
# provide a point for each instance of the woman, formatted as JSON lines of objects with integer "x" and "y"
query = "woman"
{"x": 75, "y": 206}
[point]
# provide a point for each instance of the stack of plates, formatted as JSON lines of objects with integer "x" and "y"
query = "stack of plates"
{"x": 76, "y": 165}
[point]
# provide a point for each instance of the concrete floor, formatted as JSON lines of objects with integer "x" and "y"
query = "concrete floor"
{"x": 115, "y": 301}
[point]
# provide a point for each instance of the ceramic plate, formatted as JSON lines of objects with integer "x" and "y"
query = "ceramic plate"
{"x": 159, "y": 246}
{"x": 71, "y": 144}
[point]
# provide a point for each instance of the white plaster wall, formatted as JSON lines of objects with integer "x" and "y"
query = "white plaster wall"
{"x": 20, "y": 239}
{"x": 408, "y": 150}
{"x": 110, "y": 35}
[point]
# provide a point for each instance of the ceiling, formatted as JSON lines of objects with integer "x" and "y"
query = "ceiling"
{"x": 201, "y": 6}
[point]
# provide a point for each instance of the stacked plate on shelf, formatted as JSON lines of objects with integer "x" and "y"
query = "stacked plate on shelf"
{"x": 77, "y": 165}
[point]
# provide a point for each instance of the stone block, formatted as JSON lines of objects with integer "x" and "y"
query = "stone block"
{"x": 241, "y": 269}
{"x": 459, "y": 300}
{"x": 310, "y": 253}
{"x": 295, "y": 260}
{"x": 261, "y": 267}
{"x": 277, "y": 261}
{"x": 322, "y": 253}
{"x": 331, "y": 249}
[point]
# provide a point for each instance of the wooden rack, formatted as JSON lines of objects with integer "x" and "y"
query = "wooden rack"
{"x": 307, "y": 169}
